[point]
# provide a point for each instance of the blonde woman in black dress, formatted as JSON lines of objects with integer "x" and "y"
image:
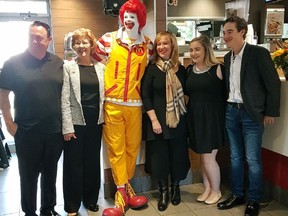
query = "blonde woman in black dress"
{"x": 206, "y": 108}
{"x": 166, "y": 125}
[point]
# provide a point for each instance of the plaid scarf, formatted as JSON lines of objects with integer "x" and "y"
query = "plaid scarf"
{"x": 175, "y": 104}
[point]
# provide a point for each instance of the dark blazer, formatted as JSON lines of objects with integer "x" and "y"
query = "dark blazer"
{"x": 259, "y": 82}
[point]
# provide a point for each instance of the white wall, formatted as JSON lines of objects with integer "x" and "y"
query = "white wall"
{"x": 208, "y": 9}
{"x": 276, "y": 136}
{"x": 150, "y": 27}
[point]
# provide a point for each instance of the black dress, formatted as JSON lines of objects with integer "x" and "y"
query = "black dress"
{"x": 206, "y": 110}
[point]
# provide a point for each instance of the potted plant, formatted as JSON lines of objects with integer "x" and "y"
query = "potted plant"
{"x": 280, "y": 58}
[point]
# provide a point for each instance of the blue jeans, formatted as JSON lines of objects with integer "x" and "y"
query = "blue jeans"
{"x": 245, "y": 137}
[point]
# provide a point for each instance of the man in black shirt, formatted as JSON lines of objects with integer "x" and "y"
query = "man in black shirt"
{"x": 35, "y": 78}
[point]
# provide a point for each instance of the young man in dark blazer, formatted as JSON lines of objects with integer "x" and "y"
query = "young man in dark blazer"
{"x": 253, "y": 102}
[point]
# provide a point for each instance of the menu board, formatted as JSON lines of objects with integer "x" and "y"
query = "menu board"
{"x": 274, "y": 22}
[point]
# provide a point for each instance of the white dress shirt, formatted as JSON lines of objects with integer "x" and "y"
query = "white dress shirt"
{"x": 234, "y": 78}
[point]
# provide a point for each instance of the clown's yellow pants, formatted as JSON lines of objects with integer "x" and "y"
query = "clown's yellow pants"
{"x": 122, "y": 133}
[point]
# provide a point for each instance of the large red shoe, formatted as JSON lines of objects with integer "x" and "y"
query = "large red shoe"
{"x": 121, "y": 204}
{"x": 135, "y": 202}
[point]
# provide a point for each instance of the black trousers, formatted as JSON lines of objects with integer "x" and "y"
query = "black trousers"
{"x": 3, "y": 152}
{"x": 38, "y": 154}
{"x": 81, "y": 168}
{"x": 168, "y": 157}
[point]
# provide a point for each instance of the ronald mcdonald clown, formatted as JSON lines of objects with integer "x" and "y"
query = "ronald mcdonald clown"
{"x": 126, "y": 53}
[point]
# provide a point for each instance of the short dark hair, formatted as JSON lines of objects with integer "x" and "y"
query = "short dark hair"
{"x": 44, "y": 25}
{"x": 240, "y": 24}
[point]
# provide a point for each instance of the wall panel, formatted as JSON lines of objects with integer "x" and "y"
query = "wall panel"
{"x": 68, "y": 15}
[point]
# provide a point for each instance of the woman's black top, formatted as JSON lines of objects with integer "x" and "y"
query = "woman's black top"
{"x": 206, "y": 110}
{"x": 153, "y": 91}
{"x": 89, "y": 86}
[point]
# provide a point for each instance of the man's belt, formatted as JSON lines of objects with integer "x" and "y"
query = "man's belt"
{"x": 237, "y": 105}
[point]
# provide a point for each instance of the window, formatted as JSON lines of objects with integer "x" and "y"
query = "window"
{"x": 12, "y": 7}
{"x": 15, "y": 18}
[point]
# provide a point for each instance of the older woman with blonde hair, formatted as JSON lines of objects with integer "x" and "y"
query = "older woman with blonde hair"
{"x": 82, "y": 116}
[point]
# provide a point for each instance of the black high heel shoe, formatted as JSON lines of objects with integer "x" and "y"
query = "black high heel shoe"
{"x": 164, "y": 199}
{"x": 164, "y": 195}
{"x": 175, "y": 194}
{"x": 93, "y": 208}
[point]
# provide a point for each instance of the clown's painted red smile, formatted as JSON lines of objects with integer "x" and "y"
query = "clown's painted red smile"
{"x": 131, "y": 21}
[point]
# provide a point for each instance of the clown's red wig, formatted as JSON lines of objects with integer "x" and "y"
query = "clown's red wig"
{"x": 134, "y": 6}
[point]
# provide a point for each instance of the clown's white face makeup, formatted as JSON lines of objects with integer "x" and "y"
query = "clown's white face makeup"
{"x": 130, "y": 22}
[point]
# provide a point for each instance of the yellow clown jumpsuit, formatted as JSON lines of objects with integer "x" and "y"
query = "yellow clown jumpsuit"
{"x": 122, "y": 130}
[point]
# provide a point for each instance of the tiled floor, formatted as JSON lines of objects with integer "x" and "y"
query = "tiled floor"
{"x": 10, "y": 200}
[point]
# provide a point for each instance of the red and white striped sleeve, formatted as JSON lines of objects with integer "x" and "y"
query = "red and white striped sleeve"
{"x": 103, "y": 48}
{"x": 149, "y": 49}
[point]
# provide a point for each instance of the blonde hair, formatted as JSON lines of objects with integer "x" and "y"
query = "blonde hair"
{"x": 209, "y": 58}
{"x": 80, "y": 33}
{"x": 174, "y": 54}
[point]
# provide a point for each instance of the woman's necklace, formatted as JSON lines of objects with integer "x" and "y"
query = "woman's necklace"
{"x": 198, "y": 71}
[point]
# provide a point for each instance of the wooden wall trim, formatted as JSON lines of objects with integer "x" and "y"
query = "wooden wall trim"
{"x": 160, "y": 15}
{"x": 68, "y": 15}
